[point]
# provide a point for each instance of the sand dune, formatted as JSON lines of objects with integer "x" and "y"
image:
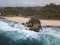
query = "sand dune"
{"x": 43, "y": 22}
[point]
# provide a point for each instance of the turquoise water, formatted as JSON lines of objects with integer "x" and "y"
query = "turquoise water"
{"x": 12, "y": 33}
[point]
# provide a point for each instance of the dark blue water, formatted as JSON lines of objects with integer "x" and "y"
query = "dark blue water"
{"x": 12, "y": 33}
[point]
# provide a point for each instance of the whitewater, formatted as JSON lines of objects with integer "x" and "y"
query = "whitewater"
{"x": 14, "y": 33}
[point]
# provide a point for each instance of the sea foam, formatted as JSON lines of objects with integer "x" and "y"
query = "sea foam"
{"x": 18, "y": 34}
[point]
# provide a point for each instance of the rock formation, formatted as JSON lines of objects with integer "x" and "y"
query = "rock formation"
{"x": 34, "y": 24}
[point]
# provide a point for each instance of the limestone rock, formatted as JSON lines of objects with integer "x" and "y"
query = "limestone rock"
{"x": 34, "y": 24}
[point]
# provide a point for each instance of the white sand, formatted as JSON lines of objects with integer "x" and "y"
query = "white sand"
{"x": 43, "y": 22}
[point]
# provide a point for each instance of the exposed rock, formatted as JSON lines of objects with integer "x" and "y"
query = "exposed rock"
{"x": 34, "y": 24}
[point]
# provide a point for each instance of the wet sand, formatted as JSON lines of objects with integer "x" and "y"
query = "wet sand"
{"x": 43, "y": 22}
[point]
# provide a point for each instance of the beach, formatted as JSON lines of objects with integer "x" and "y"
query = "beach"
{"x": 43, "y": 22}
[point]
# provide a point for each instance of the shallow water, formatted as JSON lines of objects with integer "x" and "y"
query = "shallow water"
{"x": 13, "y": 33}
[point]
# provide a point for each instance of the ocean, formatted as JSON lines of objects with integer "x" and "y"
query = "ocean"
{"x": 14, "y": 33}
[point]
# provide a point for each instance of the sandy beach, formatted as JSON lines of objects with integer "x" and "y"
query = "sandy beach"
{"x": 43, "y": 22}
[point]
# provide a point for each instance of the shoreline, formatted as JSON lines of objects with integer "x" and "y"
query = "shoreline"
{"x": 55, "y": 23}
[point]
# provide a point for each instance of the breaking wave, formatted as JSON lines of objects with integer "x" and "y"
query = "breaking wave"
{"x": 13, "y": 33}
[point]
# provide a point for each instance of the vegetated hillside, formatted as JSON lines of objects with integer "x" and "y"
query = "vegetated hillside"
{"x": 51, "y": 11}
{"x": 24, "y": 11}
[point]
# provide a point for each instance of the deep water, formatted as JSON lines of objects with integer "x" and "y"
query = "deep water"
{"x": 13, "y": 33}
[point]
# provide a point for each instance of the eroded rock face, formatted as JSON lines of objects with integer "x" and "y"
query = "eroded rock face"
{"x": 34, "y": 24}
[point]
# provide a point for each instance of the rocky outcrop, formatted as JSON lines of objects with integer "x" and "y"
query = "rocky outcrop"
{"x": 34, "y": 24}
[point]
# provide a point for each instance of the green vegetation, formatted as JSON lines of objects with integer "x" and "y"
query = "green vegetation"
{"x": 34, "y": 19}
{"x": 51, "y": 11}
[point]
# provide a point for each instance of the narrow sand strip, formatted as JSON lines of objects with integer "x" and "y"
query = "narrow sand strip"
{"x": 43, "y": 22}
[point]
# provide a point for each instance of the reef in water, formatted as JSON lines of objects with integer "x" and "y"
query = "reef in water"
{"x": 17, "y": 34}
